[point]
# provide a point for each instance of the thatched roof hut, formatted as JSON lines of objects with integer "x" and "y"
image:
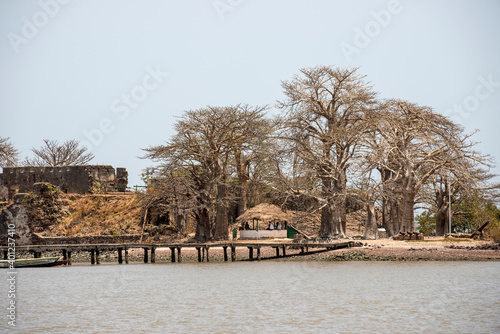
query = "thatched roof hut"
{"x": 265, "y": 213}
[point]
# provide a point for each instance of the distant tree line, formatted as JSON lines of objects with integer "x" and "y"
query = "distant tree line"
{"x": 333, "y": 141}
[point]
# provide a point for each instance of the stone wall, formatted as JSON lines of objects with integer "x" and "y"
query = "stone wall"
{"x": 70, "y": 179}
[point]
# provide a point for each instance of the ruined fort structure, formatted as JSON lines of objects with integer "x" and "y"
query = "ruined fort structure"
{"x": 70, "y": 179}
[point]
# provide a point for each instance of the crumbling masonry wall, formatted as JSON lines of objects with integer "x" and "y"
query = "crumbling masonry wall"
{"x": 70, "y": 179}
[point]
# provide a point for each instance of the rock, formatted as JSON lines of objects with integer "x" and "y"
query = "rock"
{"x": 16, "y": 215}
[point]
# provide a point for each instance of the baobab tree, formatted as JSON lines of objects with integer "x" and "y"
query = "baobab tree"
{"x": 54, "y": 154}
{"x": 324, "y": 122}
{"x": 203, "y": 153}
{"x": 413, "y": 143}
{"x": 9, "y": 155}
{"x": 464, "y": 178}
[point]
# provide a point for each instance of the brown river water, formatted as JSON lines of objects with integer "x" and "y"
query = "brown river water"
{"x": 256, "y": 297}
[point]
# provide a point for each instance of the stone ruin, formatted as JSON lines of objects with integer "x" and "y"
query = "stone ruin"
{"x": 70, "y": 179}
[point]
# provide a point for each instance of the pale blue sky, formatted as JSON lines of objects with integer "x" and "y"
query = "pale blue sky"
{"x": 70, "y": 67}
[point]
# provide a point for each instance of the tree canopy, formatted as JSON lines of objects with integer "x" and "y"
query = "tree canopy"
{"x": 331, "y": 140}
{"x": 54, "y": 154}
{"x": 9, "y": 155}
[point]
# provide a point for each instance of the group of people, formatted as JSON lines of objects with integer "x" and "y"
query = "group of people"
{"x": 270, "y": 227}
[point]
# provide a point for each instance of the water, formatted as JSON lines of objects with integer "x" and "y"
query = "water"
{"x": 257, "y": 297}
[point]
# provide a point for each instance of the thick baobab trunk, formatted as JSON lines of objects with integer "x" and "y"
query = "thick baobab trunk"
{"x": 396, "y": 213}
{"x": 389, "y": 217}
{"x": 221, "y": 221}
{"x": 408, "y": 218}
{"x": 202, "y": 225}
{"x": 386, "y": 218}
{"x": 442, "y": 225}
{"x": 340, "y": 187}
{"x": 331, "y": 223}
{"x": 242, "y": 184}
{"x": 331, "y": 214}
{"x": 242, "y": 201}
{"x": 371, "y": 230}
{"x": 178, "y": 221}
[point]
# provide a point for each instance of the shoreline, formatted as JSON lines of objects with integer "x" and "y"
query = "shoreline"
{"x": 366, "y": 250}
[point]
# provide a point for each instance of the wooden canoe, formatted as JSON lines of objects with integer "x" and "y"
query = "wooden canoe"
{"x": 37, "y": 262}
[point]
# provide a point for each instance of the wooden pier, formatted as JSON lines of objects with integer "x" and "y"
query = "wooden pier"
{"x": 229, "y": 250}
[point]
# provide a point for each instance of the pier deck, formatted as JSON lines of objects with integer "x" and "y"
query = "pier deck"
{"x": 176, "y": 249}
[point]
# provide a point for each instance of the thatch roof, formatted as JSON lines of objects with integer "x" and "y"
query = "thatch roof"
{"x": 264, "y": 213}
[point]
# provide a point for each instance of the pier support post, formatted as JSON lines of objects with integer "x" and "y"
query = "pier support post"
{"x": 284, "y": 250}
{"x": 206, "y": 249}
{"x": 145, "y": 255}
{"x": 126, "y": 255}
{"x": 153, "y": 256}
{"x": 258, "y": 253}
{"x": 5, "y": 255}
{"x": 225, "y": 253}
{"x": 172, "y": 254}
{"x": 65, "y": 255}
{"x": 198, "y": 249}
{"x": 250, "y": 253}
{"x": 97, "y": 259}
{"x": 302, "y": 250}
{"x": 277, "y": 251}
{"x": 92, "y": 256}
{"x": 69, "y": 257}
{"x": 120, "y": 258}
{"x": 179, "y": 257}
{"x": 233, "y": 253}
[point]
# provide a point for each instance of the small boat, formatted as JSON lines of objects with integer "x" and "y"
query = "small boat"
{"x": 37, "y": 262}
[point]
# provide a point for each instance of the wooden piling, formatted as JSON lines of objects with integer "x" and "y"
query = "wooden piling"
{"x": 233, "y": 253}
{"x": 145, "y": 255}
{"x": 64, "y": 254}
{"x": 126, "y": 255}
{"x": 97, "y": 259}
{"x": 153, "y": 256}
{"x": 258, "y": 253}
{"x": 120, "y": 258}
{"x": 198, "y": 249}
{"x": 250, "y": 253}
{"x": 206, "y": 248}
{"x": 92, "y": 256}
{"x": 179, "y": 257}
{"x": 225, "y": 253}
{"x": 277, "y": 251}
{"x": 5, "y": 255}
{"x": 284, "y": 250}
{"x": 69, "y": 257}
{"x": 172, "y": 254}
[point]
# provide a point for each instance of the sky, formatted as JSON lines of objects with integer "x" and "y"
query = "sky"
{"x": 116, "y": 74}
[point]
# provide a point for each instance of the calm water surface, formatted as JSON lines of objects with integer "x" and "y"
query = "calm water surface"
{"x": 257, "y": 297}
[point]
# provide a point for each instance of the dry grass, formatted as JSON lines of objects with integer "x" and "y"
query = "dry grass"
{"x": 100, "y": 215}
{"x": 495, "y": 235}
